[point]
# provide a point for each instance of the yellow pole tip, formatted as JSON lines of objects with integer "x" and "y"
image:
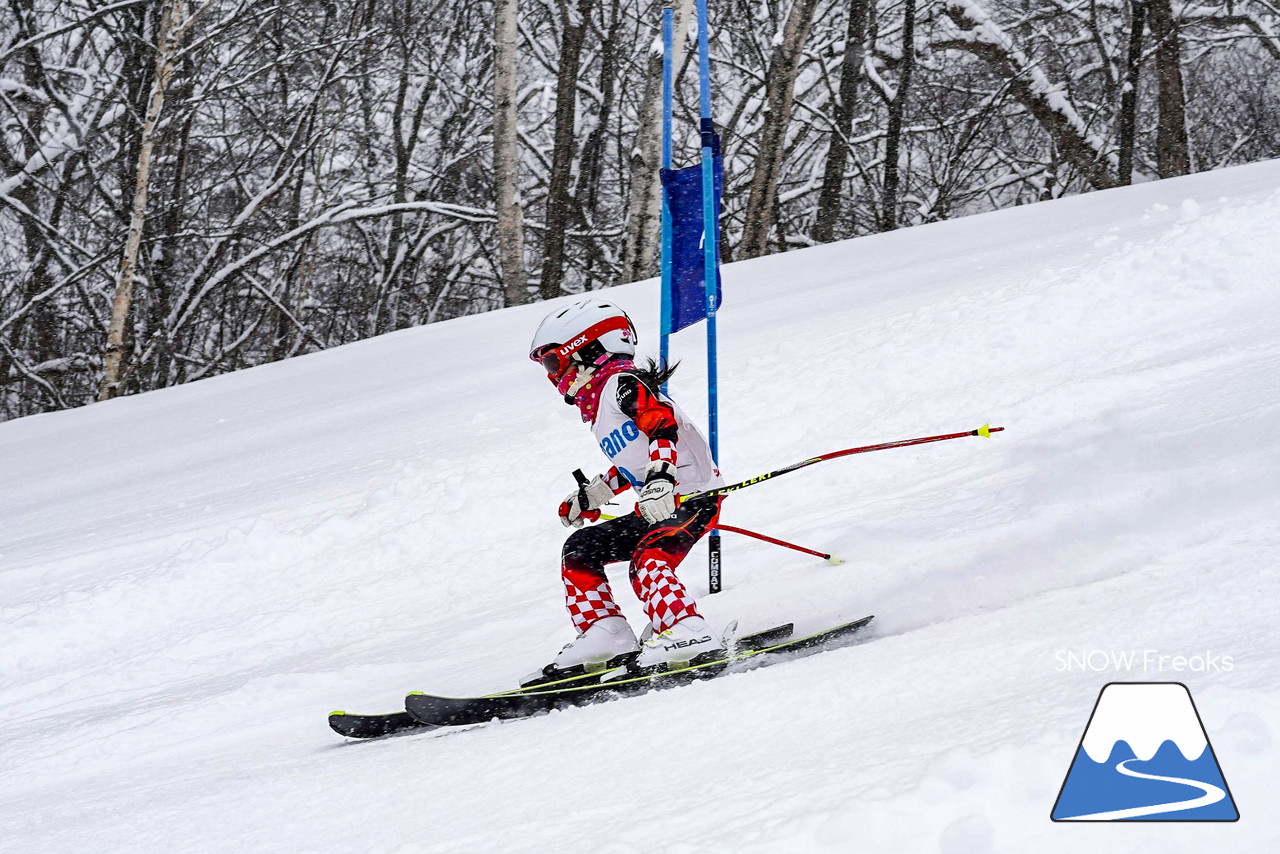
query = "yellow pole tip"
{"x": 985, "y": 430}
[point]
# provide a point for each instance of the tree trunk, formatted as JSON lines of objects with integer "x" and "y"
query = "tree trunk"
{"x": 166, "y": 256}
{"x": 855, "y": 51}
{"x": 172, "y": 13}
{"x": 644, "y": 207}
{"x": 1129, "y": 94}
{"x": 559, "y": 199}
{"x": 591, "y": 164}
{"x": 506, "y": 154}
{"x": 780, "y": 89}
{"x": 31, "y": 114}
{"x": 403, "y": 141}
{"x": 897, "y": 109}
{"x": 1173, "y": 157}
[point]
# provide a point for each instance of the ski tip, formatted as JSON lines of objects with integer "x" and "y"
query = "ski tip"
{"x": 338, "y": 713}
{"x": 414, "y": 694}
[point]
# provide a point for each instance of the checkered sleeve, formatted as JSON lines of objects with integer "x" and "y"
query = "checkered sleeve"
{"x": 662, "y": 460}
{"x": 616, "y": 481}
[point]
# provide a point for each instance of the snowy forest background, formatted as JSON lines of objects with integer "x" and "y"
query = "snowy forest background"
{"x": 188, "y": 188}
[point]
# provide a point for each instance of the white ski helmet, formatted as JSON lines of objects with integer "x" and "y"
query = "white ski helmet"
{"x": 587, "y": 333}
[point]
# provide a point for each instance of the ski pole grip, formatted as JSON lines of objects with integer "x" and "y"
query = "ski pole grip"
{"x": 582, "y": 489}
{"x": 583, "y": 483}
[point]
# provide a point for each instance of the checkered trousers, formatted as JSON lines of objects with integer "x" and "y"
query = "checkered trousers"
{"x": 588, "y": 598}
{"x": 664, "y": 597}
{"x": 654, "y": 552}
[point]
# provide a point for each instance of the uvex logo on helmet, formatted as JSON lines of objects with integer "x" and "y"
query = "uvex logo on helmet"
{"x": 573, "y": 345}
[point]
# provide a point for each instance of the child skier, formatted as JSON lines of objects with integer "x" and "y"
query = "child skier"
{"x": 587, "y": 351}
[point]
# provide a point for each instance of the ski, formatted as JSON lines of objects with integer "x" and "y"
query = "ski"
{"x": 456, "y": 711}
{"x": 364, "y": 726}
{"x": 375, "y": 726}
{"x": 768, "y": 637}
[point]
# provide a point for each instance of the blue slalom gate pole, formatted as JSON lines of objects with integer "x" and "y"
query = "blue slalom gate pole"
{"x": 711, "y": 259}
{"x": 668, "y": 16}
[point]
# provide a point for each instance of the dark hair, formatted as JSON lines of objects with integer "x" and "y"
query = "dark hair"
{"x": 655, "y": 374}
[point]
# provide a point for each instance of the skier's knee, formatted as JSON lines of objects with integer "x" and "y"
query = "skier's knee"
{"x": 584, "y": 547}
{"x": 576, "y": 544}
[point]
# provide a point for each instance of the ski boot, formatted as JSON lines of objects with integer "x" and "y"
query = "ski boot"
{"x": 606, "y": 644}
{"x": 688, "y": 642}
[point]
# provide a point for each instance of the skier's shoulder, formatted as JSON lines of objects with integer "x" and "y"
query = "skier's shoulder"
{"x": 635, "y": 393}
{"x": 628, "y": 389}
{"x": 639, "y": 386}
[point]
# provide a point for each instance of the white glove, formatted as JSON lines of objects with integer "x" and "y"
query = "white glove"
{"x": 657, "y": 500}
{"x": 597, "y": 493}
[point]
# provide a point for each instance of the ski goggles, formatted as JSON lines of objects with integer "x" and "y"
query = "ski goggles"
{"x": 556, "y": 358}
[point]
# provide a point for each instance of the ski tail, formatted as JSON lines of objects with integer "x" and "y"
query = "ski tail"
{"x": 375, "y": 726}
{"x": 768, "y": 637}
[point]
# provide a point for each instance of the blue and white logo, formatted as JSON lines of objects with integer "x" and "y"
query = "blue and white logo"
{"x": 1145, "y": 756}
{"x": 618, "y": 439}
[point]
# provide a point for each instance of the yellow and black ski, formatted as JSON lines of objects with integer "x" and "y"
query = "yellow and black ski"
{"x": 437, "y": 711}
{"x": 354, "y": 725}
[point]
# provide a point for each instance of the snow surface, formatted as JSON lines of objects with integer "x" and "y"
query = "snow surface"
{"x": 193, "y": 578}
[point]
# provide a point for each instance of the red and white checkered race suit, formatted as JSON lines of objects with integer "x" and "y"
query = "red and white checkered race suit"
{"x": 636, "y": 427}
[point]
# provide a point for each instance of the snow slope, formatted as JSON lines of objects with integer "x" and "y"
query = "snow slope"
{"x": 191, "y": 579}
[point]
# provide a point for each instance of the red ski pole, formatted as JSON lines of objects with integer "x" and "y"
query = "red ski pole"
{"x": 775, "y": 541}
{"x": 829, "y": 558}
{"x": 985, "y": 430}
